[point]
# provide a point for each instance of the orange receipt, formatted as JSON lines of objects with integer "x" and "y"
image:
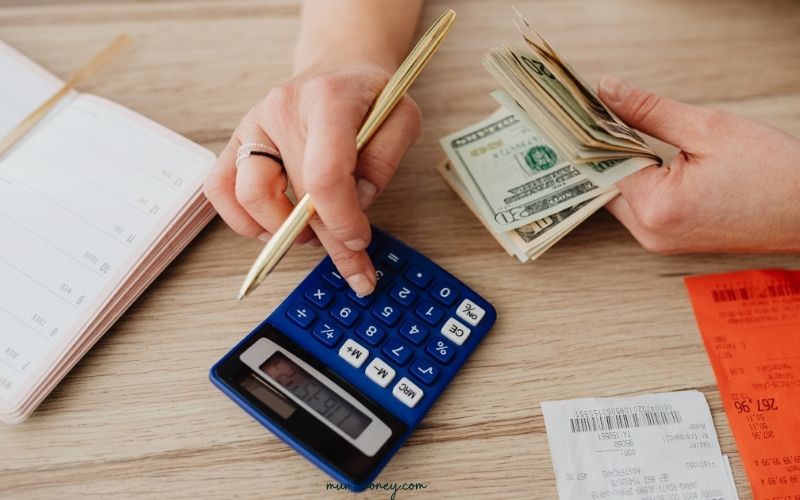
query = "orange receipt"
{"x": 750, "y": 323}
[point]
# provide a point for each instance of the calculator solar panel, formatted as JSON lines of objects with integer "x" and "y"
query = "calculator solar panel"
{"x": 345, "y": 379}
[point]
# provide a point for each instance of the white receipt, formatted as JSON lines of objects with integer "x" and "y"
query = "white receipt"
{"x": 649, "y": 447}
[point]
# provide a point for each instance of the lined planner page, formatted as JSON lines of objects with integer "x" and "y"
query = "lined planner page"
{"x": 81, "y": 200}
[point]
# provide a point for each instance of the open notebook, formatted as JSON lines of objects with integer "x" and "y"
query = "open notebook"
{"x": 94, "y": 203}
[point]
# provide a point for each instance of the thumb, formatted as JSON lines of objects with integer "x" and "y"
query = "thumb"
{"x": 679, "y": 124}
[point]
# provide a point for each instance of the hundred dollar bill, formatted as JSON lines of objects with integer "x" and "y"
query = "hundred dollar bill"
{"x": 531, "y": 240}
{"x": 514, "y": 175}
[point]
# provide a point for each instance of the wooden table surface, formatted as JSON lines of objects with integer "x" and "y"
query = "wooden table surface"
{"x": 595, "y": 316}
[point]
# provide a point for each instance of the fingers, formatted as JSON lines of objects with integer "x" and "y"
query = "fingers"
{"x": 378, "y": 161}
{"x": 328, "y": 166}
{"x": 354, "y": 266}
{"x": 219, "y": 188}
{"x": 679, "y": 124}
{"x": 261, "y": 183}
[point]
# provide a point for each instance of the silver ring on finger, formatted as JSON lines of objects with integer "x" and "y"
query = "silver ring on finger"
{"x": 258, "y": 149}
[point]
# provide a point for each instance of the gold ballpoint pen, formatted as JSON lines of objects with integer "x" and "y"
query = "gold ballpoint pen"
{"x": 397, "y": 86}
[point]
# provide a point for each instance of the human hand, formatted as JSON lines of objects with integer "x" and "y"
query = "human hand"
{"x": 732, "y": 188}
{"x": 313, "y": 121}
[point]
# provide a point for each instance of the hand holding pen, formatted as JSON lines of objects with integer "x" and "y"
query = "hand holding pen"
{"x": 311, "y": 124}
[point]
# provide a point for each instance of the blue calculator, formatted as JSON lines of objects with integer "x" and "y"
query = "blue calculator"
{"x": 344, "y": 379}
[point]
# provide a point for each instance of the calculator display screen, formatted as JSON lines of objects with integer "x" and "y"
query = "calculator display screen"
{"x": 317, "y": 395}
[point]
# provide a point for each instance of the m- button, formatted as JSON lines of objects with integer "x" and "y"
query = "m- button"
{"x": 407, "y": 392}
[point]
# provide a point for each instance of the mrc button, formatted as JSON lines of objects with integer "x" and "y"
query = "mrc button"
{"x": 407, "y": 392}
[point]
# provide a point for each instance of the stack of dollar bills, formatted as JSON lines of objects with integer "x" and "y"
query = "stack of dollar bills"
{"x": 547, "y": 159}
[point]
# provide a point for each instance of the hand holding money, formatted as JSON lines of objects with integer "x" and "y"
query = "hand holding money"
{"x": 548, "y": 158}
{"x": 733, "y": 187}
{"x": 555, "y": 152}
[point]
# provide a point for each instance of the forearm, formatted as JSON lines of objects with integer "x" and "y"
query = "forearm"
{"x": 375, "y": 32}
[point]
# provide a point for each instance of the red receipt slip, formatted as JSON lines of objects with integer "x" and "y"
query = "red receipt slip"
{"x": 750, "y": 323}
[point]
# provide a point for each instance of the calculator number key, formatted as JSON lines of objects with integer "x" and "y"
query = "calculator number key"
{"x": 379, "y": 372}
{"x": 370, "y": 332}
{"x": 345, "y": 314}
{"x": 470, "y": 312}
{"x": 407, "y": 392}
{"x": 445, "y": 294}
{"x": 423, "y": 369}
{"x": 397, "y": 351}
{"x": 387, "y": 313}
{"x": 413, "y": 331}
{"x": 455, "y": 331}
{"x": 429, "y": 313}
{"x": 403, "y": 294}
{"x": 354, "y": 353}
{"x": 302, "y": 314}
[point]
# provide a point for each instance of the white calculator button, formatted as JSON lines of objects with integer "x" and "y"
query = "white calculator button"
{"x": 354, "y": 353}
{"x": 455, "y": 331}
{"x": 470, "y": 312}
{"x": 407, "y": 392}
{"x": 379, "y": 372}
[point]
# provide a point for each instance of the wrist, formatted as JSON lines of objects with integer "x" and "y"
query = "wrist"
{"x": 308, "y": 60}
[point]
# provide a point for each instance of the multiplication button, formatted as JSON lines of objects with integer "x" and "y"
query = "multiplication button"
{"x": 354, "y": 353}
{"x": 407, "y": 392}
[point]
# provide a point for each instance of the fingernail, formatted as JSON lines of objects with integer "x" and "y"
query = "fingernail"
{"x": 314, "y": 242}
{"x": 356, "y": 245}
{"x": 265, "y": 236}
{"x": 361, "y": 284}
{"x": 616, "y": 90}
{"x": 366, "y": 192}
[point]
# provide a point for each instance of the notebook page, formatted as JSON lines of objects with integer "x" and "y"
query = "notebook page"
{"x": 23, "y": 87}
{"x": 81, "y": 200}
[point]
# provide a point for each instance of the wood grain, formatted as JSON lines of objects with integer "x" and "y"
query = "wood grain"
{"x": 596, "y": 316}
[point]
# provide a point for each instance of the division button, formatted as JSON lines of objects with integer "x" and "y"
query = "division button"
{"x": 354, "y": 353}
{"x": 379, "y": 372}
{"x": 407, "y": 392}
{"x": 302, "y": 314}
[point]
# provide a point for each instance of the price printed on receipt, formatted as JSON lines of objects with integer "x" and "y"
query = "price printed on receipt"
{"x": 344, "y": 379}
{"x": 750, "y": 323}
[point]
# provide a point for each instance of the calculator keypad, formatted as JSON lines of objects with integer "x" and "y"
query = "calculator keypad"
{"x": 401, "y": 336}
